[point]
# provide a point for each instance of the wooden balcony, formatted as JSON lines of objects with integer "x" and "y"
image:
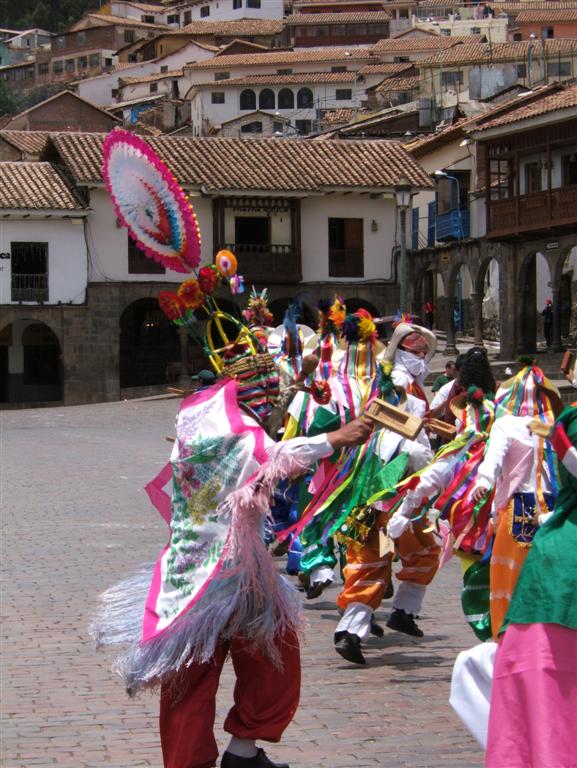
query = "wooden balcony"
{"x": 537, "y": 212}
{"x": 268, "y": 264}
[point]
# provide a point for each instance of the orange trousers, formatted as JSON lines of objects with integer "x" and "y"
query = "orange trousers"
{"x": 367, "y": 574}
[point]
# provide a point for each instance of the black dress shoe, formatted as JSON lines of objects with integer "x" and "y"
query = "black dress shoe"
{"x": 348, "y": 646}
{"x": 317, "y": 588}
{"x": 404, "y": 622}
{"x": 260, "y": 760}
{"x": 376, "y": 630}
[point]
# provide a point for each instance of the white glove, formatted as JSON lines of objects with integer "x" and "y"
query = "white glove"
{"x": 542, "y": 518}
{"x": 397, "y": 525}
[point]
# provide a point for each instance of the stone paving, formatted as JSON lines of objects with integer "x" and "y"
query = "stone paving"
{"x": 75, "y": 519}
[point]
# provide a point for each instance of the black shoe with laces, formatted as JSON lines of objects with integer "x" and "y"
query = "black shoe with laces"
{"x": 260, "y": 760}
{"x": 348, "y": 646}
{"x": 404, "y": 622}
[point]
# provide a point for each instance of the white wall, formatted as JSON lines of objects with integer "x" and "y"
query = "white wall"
{"x": 323, "y": 95}
{"x": 223, "y": 9}
{"x": 67, "y": 256}
{"x": 108, "y": 242}
{"x": 378, "y": 246}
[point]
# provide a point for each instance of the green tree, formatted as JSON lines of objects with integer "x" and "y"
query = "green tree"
{"x": 8, "y": 101}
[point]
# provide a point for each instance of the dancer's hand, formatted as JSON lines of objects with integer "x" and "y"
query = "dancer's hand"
{"x": 355, "y": 432}
{"x": 479, "y": 493}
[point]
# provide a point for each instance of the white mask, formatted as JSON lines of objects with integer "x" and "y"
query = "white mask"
{"x": 416, "y": 366}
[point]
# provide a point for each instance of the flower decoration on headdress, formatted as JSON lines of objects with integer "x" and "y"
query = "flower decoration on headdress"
{"x": 337, "y": 313}
{"x": 257, "y": 311}
{"x": 208, "y": 279}
{"x": 401, "y": 317}
{"x": 367, "y": 327}
{"x": 384, "y": 383}
{"x": 359, "y": 327}
{"x": 190, "y": 293}
{"x": 226, "y": 263}
{"x": 172, "y": 306}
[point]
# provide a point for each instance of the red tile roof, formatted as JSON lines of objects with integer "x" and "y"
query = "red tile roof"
{"x": 475, "y": 53}
{"x": 386, "y": 68}
{"x": 313, "y": 19}
{"x": 282, "y": 58}
{"x": 549, "y": 15}
{"x": 29, "y": 142}
{"x": 301, "y": 78}
{"x": 559, "y": 99}
{"x": 106, "y": 19}
{"x": 36, "y": 186}
{"x": 399, "y": 84}
{"x": 235, "y": 27}
{"x": 151, "y": 78}
{"x": 441, "y": 42}
{"x": 267, "y": 165}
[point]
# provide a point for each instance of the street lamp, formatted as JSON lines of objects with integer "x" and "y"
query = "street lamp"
{"x": 403, "y": 201}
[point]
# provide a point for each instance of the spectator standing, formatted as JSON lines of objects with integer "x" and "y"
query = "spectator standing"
{"x": 429, "y": 314}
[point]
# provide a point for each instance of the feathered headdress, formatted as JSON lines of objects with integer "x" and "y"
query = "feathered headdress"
{"x": 257, "y": 311}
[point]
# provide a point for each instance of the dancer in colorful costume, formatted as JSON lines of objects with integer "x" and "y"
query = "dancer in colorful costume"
{"x": 521, "y": 466}
{"x": 534, "y": 698}
{"x": 351, "y": 385}
{"x": 214, "y": 589}
{"x": 378, "y": 466}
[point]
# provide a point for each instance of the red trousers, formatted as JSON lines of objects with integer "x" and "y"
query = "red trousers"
{"x": 265, "y": 701}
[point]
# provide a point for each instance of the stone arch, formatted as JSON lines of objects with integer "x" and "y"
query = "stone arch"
{"x": 487, "y": 300}
{"x": 564, "y": 295}
{"x": 31, "y": 365}
{"x": 430, "y": 285}
{"x": 149, "y": 345}
{"x": 354, "y": 304}
{"x": 533, "y": 286}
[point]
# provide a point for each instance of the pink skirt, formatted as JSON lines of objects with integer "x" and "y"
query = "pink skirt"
{"x": 533, "y": 716}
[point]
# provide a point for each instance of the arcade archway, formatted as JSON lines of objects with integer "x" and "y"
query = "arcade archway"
{"x": 31, "y": 369}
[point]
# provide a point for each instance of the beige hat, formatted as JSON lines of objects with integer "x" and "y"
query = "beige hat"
{"x": 404, "y": 329}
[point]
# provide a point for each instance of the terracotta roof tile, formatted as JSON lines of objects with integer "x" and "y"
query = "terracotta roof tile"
{"x": 514, "y": 8}
{"x": 340, "y": 116}
{"x": 30, "y": 142}
{"x": 151, "y": 78}
{"x": 551, "y": 14}
{"x": 418, "y": 43}
{"x": 386, "y": 68}
{"x": 301, "y": 78}
{"x": 36, "y": 186}
{"x": 561, "y": 98}
{"x": 312, "y": 19}
{"x": 270, "y": 165}
{"x": 399, "y": 84}
{"x": 238, "y": 27}
{"x": 108, "y": 19}
{"x": 474, "y": 53}
{"x": 279, "y": 58}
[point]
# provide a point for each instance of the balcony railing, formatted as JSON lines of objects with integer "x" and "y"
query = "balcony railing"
{"x": 261, "y": 263}
{"x": 30, "y": 287}
{"x": 454, "y": 225}
{"x": 534, "y": 212}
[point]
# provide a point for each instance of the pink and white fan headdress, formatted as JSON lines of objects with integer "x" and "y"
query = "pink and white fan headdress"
{"x": 149, "y": 201}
